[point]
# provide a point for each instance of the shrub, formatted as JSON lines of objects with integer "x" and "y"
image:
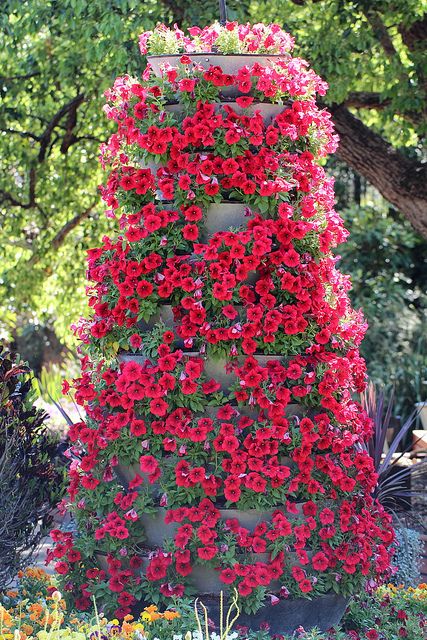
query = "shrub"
{"x": 392, "y": 612}
{"x": 385, "y": 259}
{"x": 407, "y": 557}
{"x": 31, "y": 483}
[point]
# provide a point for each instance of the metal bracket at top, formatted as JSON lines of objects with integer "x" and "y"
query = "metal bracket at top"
{"x": 222, "y": 12}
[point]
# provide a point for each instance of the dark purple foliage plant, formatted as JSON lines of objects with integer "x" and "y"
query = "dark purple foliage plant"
{"x": 31, "y": 481}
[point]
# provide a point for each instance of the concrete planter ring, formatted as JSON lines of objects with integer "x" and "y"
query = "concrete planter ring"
{"x": 229, "y": 63}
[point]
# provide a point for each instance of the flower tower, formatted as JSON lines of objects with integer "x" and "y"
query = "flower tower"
{"x": 222, "y": 447}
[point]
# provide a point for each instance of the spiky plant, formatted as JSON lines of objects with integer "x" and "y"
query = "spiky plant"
{"x": 31, "y": 482}
{"x": 393, "y": 488}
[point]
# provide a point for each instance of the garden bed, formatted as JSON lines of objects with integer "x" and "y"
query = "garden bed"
{"x": 36, "y": 609}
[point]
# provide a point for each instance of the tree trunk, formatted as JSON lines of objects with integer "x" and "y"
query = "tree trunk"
{"x": 400, "y": 180}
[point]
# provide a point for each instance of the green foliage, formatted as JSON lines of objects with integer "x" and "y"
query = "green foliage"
{"x": 31, "y": 483}
{"x": 388, "y": 266}
{"x": 56, "y": 60}
{"x": 360, "y": 46}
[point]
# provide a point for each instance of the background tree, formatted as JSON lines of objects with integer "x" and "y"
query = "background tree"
{"x": 58, "y": 57}
{"x": 372, "y": 53}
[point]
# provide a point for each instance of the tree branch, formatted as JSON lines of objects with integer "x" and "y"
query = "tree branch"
{"x": 21, "y": 244}
{"x": 372, "y": 100}
{"x": 8, "y": 197}
{"x": 92, "y": 138}
{"x": 23, "y": 77}
{"x": 414, "y": 38}
{"x": 415, "y": 35}
{"x": 402, "y": 181}
{"x": 69, "y": 136}
{"x": 381, "y": 33}
{"x": 60, "y": 236}
{"x": 46, "y": 143}
{"x": 366, "y": 100}
{"x": 23, "y": 134}
{"x": 70, "y": 108}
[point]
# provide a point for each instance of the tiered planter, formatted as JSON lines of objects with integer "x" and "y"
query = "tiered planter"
{"x": 232, "y": 456}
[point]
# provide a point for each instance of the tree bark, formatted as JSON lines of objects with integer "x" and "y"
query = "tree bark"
{"x": 400, "y": 180}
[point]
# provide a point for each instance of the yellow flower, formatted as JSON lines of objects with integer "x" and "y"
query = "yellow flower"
{"x": 5, "y": 617}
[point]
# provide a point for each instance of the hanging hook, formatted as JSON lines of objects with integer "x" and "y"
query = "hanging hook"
{"x": 222, "y": 12}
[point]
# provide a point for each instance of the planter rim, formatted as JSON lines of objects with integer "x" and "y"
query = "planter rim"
{"x": 229, "y": 203}
{"x": 268, "y": 509}
{"x": 216, "y": 53}
{"x": 197, "y": 353}
{"x": 225, "y": 202}
{"x": 232, "y": 101}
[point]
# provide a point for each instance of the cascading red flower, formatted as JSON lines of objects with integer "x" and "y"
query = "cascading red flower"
{"x": 282, "y": 432}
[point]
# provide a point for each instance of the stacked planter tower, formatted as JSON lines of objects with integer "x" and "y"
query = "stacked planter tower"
{"x": 223, "y": 448}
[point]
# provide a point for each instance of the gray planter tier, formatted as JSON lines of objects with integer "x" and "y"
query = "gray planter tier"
{"x": 217, "y": 368}
{"x": 219, "y": 217}
{"x": 223, "y": 216}
{"x": 230, "y": 63}
{"x": 164, "y": 314}
{"x": 322, "y": 612}
{"x": 126, "y": 473}
{"x": 252, "y": 412}
{"x": 268, "y": 110}
{"x": 157, "y": 531}
{"x": 287, "y": 615}
{"x": 138, "y": 358}
{"x": 213, "y": 368}
{"x": 206, "y": 580}
{"x": 249, "y": 518}
{"x": 292, "y": 409}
